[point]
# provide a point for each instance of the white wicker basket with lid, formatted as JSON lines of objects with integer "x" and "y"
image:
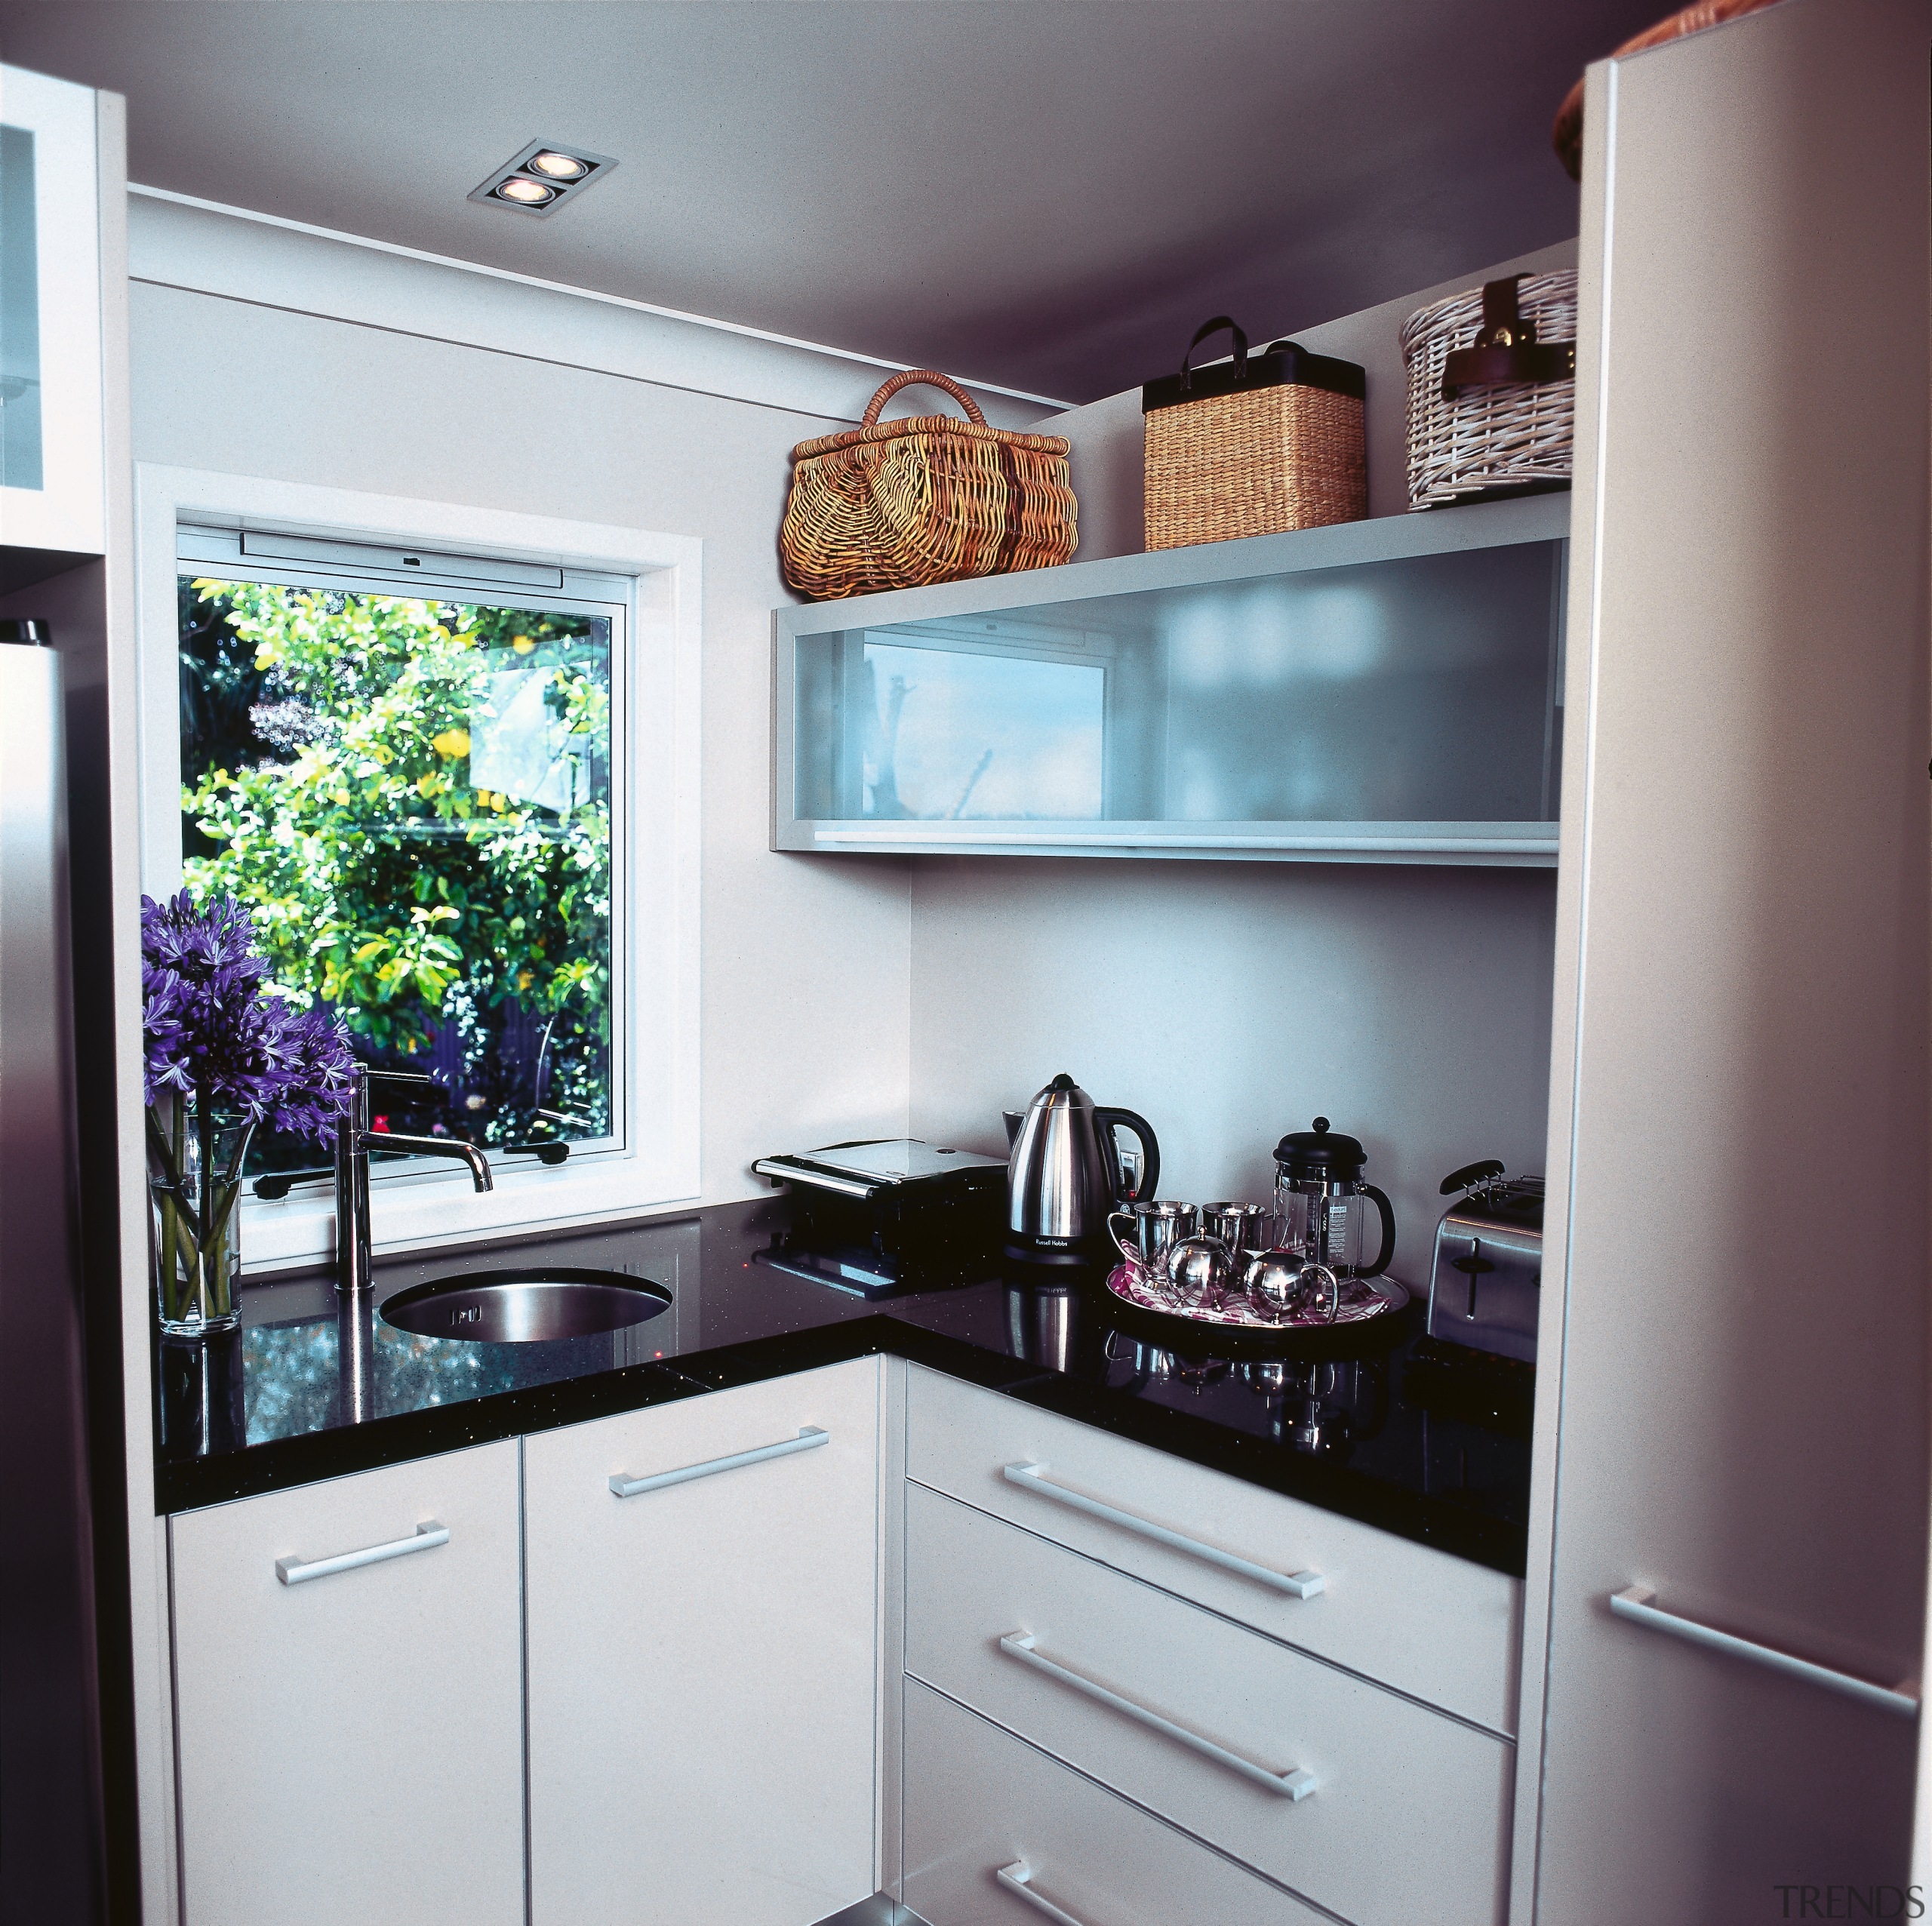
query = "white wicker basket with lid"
{"x": 1482, "y": 439}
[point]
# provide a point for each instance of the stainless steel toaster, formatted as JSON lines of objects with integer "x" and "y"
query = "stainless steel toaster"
{"x": 1487, "y": 1281}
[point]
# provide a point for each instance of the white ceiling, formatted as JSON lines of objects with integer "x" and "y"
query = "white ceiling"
{"x": 1049, "y": 193}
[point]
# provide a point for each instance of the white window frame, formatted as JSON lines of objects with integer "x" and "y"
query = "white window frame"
{"x": 655, "y": 897}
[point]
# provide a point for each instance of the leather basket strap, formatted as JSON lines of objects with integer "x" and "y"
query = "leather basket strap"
{"x": 1506, "y": 348}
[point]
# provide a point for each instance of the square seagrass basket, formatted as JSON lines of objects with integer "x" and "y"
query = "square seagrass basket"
{"x": 1253, "y": 446}
{"x": 1492, "y": 384}
{"x": 897, "y": 504}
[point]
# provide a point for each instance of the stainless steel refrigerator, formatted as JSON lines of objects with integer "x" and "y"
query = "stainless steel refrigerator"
{"x": 51, "y": 1828}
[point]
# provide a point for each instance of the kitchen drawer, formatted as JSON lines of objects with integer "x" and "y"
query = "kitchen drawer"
{"x": 1434, "y": 1626}
{"x": 978, "y": 1801}
{"x": 1403, "y": 1815}
{"x": 350, "y": 1737}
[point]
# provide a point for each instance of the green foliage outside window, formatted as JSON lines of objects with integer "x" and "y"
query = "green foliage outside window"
{"x": 382, "y": 879}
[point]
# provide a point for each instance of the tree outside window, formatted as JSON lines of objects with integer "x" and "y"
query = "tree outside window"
{"x": 413, "y": 799}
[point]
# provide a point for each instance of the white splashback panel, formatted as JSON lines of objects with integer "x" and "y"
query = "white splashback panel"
{"x": 1228, "y": 1003}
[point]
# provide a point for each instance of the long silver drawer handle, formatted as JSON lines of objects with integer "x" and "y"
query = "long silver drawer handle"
{"x": 428, "y": 1535}
{"x": 1296, "y": 1785}
{"x": 809, "y": 1434}
{"x": 1018, "y": 1877}
{"x": 1634, "y": 1603}
{"x": 1296, "y": 1584}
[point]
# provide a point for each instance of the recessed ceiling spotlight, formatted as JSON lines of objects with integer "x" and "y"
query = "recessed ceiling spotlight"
{"x": 542, "y": 176}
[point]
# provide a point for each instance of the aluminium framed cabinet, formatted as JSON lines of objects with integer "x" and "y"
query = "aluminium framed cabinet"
{"x": 1731, "y": 1429}
{"x": 1384, "y": 691}
{"x": 52, "y": 492}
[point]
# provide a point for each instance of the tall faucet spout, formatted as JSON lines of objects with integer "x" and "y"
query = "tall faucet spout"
{"x": 439, "y": 1146}
{"x": 354, "y": 1140}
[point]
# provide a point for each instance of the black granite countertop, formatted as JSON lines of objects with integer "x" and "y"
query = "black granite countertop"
{"x": 1428, "y": 1442}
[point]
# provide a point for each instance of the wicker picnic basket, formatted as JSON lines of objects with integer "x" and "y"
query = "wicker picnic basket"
{"x": 1253, "y": 446}
{"x": 1492, "y": 377}
{"x": 1567, "y": 135}
{"x": 896, "y": 504}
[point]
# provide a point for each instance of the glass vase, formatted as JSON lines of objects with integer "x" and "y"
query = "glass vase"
{"x": 195, "y": 1186}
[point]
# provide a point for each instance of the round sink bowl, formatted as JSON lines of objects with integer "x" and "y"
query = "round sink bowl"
{"x": 536, "y": 1306}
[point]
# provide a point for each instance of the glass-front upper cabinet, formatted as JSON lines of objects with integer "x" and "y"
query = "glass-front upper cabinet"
{"x": 1383, "y": 691}
{"x": 50, "y": 452}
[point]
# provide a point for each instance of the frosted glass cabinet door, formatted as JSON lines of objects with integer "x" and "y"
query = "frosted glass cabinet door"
{"x": 702, "y": 1659}
{"x": 350, "y": 1742}
{"x": 1378, "y": 684}
{"x": 50, "y": 474}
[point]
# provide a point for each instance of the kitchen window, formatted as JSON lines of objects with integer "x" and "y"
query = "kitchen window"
{"x": 403, "y": 764}
{"x": 448, "y": 758}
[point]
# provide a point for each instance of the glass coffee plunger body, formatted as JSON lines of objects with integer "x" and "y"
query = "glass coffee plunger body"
{"x": 1327, "y": 1207}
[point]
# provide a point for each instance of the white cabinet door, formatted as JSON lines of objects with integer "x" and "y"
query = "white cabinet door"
{"x": 1735, "y": 1302}
{"x": 350, "y": 1740}
{"x": 50, "y": 373}
{"x": 701, "y": 1680}
{"x": 1289, "y": 1765}
{"x": 1417, "y": 1618}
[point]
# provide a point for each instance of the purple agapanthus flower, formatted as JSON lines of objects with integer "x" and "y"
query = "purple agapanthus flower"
{"x": 208, "y": 1031}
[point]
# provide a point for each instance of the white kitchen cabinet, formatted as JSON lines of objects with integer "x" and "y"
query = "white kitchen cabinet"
{"x": 348, "y": 1732}
{"x": 1289, "y": 1765}
{"x": 702, "y": 1689}
{"x": 52, "y": 493}
{"x": 1734, "y": 1302}
{"x": 1435, "y": 1627}
{"x": 997, "y": 1833}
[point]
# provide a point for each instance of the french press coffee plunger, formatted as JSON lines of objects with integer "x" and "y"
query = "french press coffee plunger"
{"x": 1318, "y": 1187}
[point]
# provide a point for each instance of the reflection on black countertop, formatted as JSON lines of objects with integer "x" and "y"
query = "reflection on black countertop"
{"x": 1428, "y": 1442}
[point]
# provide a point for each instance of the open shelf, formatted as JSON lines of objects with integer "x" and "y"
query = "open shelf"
{"x": 1383, "y": 691}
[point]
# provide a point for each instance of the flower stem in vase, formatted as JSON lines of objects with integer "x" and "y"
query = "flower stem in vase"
{"x": 215, "y": 1038}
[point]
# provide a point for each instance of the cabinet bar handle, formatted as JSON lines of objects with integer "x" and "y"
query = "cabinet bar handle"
{"x": 809, "y": 1434}
{"x": 1296, "y": 1584}
{"x": 1296, "y": 1785}
{"x": 1018, "y": 1878}
{"x": 428, "y": 1535}
{"x": 1635, "y": 1603}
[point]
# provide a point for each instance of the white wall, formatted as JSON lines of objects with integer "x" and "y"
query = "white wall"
{"x": 804, "y": 969}
{"x": 1229, "y": 1002}
{"x": 844, "y": 995}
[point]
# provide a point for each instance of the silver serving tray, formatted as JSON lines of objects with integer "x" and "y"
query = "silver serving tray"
{"x": 1365, "y": 1300}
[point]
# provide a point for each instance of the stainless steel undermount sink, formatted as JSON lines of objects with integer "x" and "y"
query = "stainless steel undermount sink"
{"x": 533, "y": 1306}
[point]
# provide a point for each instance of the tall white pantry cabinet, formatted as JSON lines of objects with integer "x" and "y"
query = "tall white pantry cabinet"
{"x": 1732, "y": 1394}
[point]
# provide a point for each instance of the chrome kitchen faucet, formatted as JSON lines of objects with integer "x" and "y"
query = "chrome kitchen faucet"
{"x": 353, "y": 1141}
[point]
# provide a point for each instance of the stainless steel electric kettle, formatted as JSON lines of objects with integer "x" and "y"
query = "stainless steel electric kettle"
{"x": 1064, "y": 1175}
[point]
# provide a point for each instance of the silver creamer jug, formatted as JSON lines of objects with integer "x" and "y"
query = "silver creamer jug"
{"x": 1063, "y": 1174}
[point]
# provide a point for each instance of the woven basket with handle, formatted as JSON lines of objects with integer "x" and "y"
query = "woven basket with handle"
{"x": 896, "y": 504}
{"x": 1492, "y": 380}
{"x": 1253, "y": 446}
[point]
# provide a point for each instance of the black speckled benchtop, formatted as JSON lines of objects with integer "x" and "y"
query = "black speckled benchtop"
{"x": 1430, "y": 1444}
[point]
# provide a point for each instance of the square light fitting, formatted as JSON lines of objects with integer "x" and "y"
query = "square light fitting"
{"x": 542, "y": 177}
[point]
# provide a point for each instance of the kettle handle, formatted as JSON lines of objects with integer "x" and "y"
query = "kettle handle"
{"x": 1150, "y": 1154}
{"x": 1388, "y": 1250}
